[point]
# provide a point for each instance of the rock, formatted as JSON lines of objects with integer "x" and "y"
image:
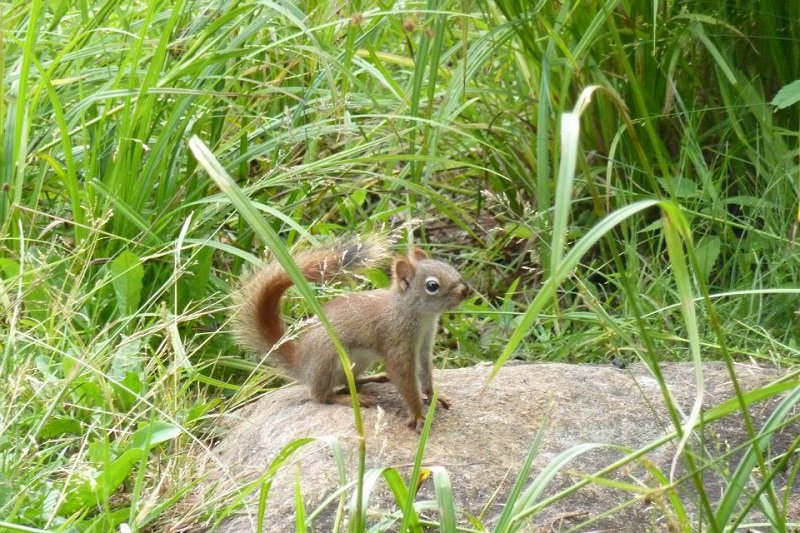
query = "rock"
{"x": 483, "y": 439}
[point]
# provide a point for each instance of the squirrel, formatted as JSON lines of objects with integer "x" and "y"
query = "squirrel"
{"x": 396, "y": 325}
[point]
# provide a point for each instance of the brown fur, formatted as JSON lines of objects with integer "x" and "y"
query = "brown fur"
{"x": 396, "y": 325}
{"x": 257, "y": 322}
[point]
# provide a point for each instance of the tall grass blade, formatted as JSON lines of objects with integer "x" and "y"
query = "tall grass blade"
{"x": 570, "y": 142}
{"x": 505, "y": 519}
{"x": 70, "y": 173}
{"x": 560, "y": 268}
{"x": 410, "y": 518}
{"x": 745, "y": 470}
{"x": 18, "y": 122}
{"x": 240, "y": 201}
{"x": 676, "y": 229}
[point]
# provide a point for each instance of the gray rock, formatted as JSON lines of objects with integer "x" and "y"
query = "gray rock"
{"x": 483, "y": 439}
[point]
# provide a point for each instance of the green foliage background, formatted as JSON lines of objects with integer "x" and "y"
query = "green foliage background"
{"x": 437, "y": 122}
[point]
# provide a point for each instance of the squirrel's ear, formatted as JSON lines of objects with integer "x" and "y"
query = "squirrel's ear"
{"x": 416, "y": 253}
{"x": 403, "y": 271}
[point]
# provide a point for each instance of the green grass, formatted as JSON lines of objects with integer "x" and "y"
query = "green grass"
{"x": 656, "y": 222}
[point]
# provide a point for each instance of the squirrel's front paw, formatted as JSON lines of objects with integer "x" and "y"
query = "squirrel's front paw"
{"x": 416, "y": 422}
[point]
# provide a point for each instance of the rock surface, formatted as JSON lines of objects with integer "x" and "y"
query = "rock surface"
{"x": 483, "y": 439}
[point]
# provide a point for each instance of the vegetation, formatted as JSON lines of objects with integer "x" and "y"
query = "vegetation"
{"x": 657, "y": 221}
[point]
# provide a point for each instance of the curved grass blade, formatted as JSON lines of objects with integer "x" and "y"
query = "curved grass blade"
{"x": 242, "y": 204}
{"x": 569, "y": 262}
{"x": 744, "y": 470}
{"x": 511, "y": 502}
{"x": 676, "y": 233}
{"x": 399, "y": 490}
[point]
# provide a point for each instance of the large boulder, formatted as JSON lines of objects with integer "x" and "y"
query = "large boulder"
{"x": 483, "y": 439}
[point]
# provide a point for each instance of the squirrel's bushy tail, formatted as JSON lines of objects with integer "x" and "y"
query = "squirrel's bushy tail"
{"x": 257, "y": 320}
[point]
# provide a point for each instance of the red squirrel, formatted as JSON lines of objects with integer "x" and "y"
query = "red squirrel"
{"x": 396, "y": 325}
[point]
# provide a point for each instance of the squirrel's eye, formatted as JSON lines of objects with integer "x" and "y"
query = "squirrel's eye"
{"x": 431, "y": 286}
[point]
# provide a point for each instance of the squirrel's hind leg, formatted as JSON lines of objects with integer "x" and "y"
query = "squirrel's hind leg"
{"x": 326, "y": 387}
